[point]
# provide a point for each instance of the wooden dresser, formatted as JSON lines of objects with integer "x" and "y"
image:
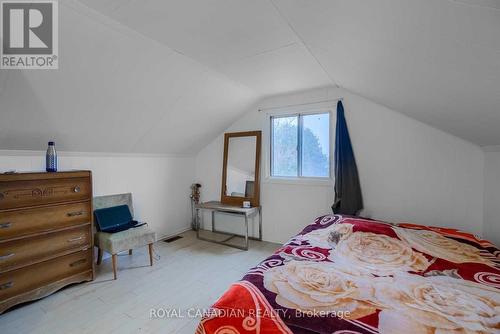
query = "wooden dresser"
{"x": 45, "y": 234}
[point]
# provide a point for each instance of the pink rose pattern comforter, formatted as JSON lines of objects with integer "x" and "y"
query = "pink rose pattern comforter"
{"x": 346, "y": 275}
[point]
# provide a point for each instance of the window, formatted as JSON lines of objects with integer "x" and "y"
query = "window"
{"x": 300, "y": 145}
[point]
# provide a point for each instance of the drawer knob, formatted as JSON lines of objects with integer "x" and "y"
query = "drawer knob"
{"x": 75, "y": 239}
{"x": 77, "y": 263}
{"x": 6, "y": 285}
{"x": 76, "y": 189}
{"x": 74, "y": 214}
{"x": 5, "y": 225}
{"x": 5, "y": 257}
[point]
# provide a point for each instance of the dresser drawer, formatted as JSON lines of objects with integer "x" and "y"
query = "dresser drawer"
{"x": 38, "y": 192}
{"x": 22, "y": 252}
{"x": 18, "y": 281}
{"x": 28, "y": 221}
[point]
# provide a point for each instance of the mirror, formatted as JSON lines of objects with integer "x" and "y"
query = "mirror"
{"x": 240, "y": 173}
{"x": 240, "y": 166}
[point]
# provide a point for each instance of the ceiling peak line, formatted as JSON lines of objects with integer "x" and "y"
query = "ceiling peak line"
{"x": 333, "y": 81}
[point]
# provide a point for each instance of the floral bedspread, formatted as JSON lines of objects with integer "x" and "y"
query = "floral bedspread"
{"x": 346, "y": 275}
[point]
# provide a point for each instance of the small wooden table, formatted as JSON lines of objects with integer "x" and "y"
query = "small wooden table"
{"x": 215, "y": 206}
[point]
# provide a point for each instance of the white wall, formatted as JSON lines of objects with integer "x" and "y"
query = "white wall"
{"x": 492, "y": 194}
{"x": 159, "y": 184}
{"x": 409, "y": 171}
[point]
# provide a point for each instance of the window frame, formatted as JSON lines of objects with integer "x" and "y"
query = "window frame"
{"x": 299, "y": 179}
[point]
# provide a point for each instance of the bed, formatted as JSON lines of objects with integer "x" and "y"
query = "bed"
{"x": 347, "y": 275}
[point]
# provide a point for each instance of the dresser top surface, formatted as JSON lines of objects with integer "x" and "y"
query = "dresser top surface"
{"x": 23, "y": 176}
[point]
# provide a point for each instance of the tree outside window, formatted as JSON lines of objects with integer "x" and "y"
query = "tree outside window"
{"x": 300, "y": 145}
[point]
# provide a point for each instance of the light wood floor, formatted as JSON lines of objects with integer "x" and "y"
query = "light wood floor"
{"x": 188, "y": 274}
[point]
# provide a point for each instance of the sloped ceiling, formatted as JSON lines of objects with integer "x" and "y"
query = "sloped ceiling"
{"x": 437, "y": 61}
{"x": 166, "y": 76}
{"x": 116, "y": 91}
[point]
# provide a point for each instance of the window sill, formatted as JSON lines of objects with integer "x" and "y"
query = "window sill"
{"x": 307, "y": 181}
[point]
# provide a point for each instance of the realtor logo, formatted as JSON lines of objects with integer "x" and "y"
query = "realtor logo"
{"x": 29, "y": 34}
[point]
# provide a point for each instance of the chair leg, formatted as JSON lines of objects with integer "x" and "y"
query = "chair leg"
{"x": 99, "y": 256}
{"x": 150, "y": 246}
{"x": 129, "y": 252}
{"x": 114, "y": 265}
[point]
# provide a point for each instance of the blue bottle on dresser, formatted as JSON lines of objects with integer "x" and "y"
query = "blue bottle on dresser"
{"x": 51, "y": 158}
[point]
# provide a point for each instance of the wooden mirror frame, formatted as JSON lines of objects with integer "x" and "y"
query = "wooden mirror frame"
{"x": 238, "y": 201}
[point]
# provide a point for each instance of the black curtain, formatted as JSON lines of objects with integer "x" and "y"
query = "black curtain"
{"x": 348, "y": 199}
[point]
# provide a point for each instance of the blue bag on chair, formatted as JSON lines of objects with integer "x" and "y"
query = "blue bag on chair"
{"x": 115, "y": 219}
